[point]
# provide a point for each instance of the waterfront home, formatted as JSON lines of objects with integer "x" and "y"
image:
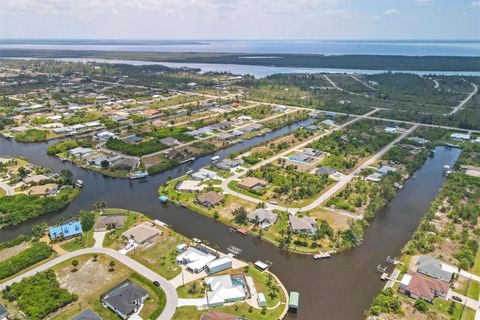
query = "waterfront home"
{"x": 219, "y": 265}
{"x": 125, "y": 299}
{"x": 384, "y": 170}
{"x": 204, "y": 174}
{"x": 302, "y": 225}
{"x": 432, "y": 267}
{"x": 252, "y": 183}
{"x": 105, "y": 135}
{"x": 142, "y": 233}
{"x": 252, "y": 128}
{"x": 225, "y": 136}
{"x": 80, "y": 152}
{"x": 87, "y": 314}
{"x": 125, "y": 164}
{"x": 173, "y": 154}
{"x": 65, "y": 231}
{"x": 36, "y": 178}
{"x": 195, "y": 260}
{"x": 109, "y": 222}
{"x": 210, "y": 199}
{"x": 224, "y": 289}
{"x": 460, "y": 136}
{"x": 227, "y": 164}
{"x": 264, "y": 217}
{"x": 417, "y": 286}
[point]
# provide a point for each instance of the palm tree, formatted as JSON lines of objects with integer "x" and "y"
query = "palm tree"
{"x": 112, "y": 265}
{"x": 74, "y": 264}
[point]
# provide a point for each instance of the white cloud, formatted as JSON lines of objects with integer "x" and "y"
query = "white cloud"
{"x": 391, "y": 12}
{"x": 476, "y": 4}
{"x": 423, "y": 2}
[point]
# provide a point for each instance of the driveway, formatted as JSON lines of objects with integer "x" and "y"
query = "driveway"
{"x": 170, "y": 292}
{"x": 9, "y": 191}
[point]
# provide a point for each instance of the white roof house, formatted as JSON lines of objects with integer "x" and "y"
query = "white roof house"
{"x": 190, "y": 186}
{"x": 328, "y": 122}
{"x": 80, "y": 151}
{"x": 460, "y": 136}
{"x": 105, "y": 135}
{"x": 223, "y": 290}
{"x": 195, "y": 260}
{"x": 203, "y": 174}
{"x": 219, "y": 264}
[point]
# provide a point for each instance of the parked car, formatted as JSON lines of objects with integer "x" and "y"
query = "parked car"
{"x": 156, "y": 283}
{"x": 457, "y": 298}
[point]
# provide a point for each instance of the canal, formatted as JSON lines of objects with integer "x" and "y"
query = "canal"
{"x": 338, "y": 288}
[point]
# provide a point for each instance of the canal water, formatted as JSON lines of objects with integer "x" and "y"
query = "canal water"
{"x": 338, "y": 288}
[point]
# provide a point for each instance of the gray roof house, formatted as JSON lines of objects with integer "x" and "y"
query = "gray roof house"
{"x": 169, "y": 141}
{"x": 124, "y": 299}
{"x": 265, "y": 217}
{"x": 325, "y": 170}
{"x": 433, "y": 268}
{"x": 302, "y": 225}
{"x": 227, "y": 164}
{"x": 87, "y": 314}
{"x": 3, "y": 312}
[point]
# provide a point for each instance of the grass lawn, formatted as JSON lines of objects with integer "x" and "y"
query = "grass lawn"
{"x": 160, "y": 255}
{"x": 85, "y": 241}
{"x": 191, "y": 290}
{"x": 93, "y": 278}
{"x": 442, "y": 306}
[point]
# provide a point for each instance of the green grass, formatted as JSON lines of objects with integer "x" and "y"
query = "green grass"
{"x": 113, "y": 239}
{"x": 191, "y": 290}
{"x": 85, "y": 241}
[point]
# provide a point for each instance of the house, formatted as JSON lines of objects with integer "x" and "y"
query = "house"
{"x": 80, "y": 152}
{"x": 313, "y": 128}
{"x": 328, "y": 122}
{"x": 330, "y": 114}
{"x": 325, "y": 171}
{"x": 300, "y": 157}
{"x": 125, "y": 299}
{"x": 195, "y": 260}
{"x": 225, "y": 136}
{"x": 18, "y": 129}
{"x": 210, "y": 199}
{"x": 87, "y": 314}
{"x": 264, "y": 217}
{"x": 125, "y": 164}
{"x": 384, "y": 170}
{"x": 169, "y": 141}
{"x": 204, "y": 174}
{"x": 460, "y": 136}
{"x": 65, "y": 231}
{"x": 3, "y": 312}
{"x": 227, "y": 164}
{"x": 252, "y": 183}
{"x": 189, "y": 186}
{"x": 142, "y": 233}
{"x": 417, "y": 286}
{"x": 200, "y": 132}
{"x": 173, "y": 154}
{"x": 391, "y": 129}
{"x": 311, "y": 152}
{"x": 302, "y": 225}
{"x": 252, "y": 128}
{"x": 132, "y": 139}
{"x": 418, "y": 140}
{"x": 433, "y": 268}
{"x": 224, "y": 290}
{"x": 105, "y": 135}
{"x": 219, "y": 265}
{"x": 109, "y": 222}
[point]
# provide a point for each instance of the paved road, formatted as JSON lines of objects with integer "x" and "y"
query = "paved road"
{"x": 9, "y": 191}
{"x": 314, "y": 204}
{"x": 362, "y": 82}
{"x": 170, "y": 292}
{"x": 463, "y": 102}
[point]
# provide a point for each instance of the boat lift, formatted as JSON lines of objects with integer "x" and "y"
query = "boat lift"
{"x": 394, "y": 261}
{"x": 381, "y": 269}
{"x": 235, "y": 251}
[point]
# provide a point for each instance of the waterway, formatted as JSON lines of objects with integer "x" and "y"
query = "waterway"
{"x": 338, "y": 288}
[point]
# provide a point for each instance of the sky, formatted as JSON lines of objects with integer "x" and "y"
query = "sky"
{"x": 240, "y": 19}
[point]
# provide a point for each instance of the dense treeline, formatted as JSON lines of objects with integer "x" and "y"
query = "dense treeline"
{"x": 21, "y": 207}
{"x": 138, "y": 149}
{"x": 37, "y": 252}
{"x": 39, "y": 295}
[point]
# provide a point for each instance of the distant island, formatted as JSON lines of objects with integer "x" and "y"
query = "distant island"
{"x": 365, "y": 62}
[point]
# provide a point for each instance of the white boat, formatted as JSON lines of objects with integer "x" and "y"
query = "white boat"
{"x": 321, "y": 255}
{"x": 138, "y": 175}
{"x": 79, "y": 183}
{"x": 215, "y": 158}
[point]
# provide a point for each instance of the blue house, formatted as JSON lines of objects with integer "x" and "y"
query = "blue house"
{"x": 65, "y": 231}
